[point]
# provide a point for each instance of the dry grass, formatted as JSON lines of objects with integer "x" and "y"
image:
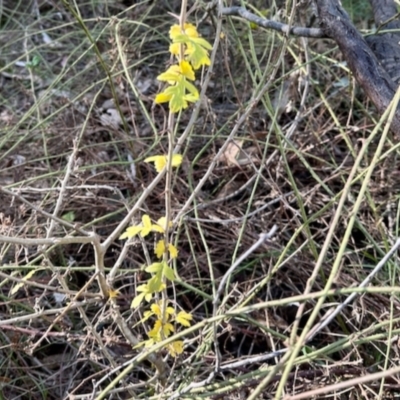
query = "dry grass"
{"x": 299, "y": 145}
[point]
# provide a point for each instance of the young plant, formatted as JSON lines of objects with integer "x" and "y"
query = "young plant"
{"x": 190, "y": 52}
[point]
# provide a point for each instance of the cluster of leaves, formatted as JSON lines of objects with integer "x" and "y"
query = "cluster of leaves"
{"x": 191, "y": 52}
{"x": 161, "y": 273}
{"x": 160, "y": 270}
{"x": 163, "y": 327}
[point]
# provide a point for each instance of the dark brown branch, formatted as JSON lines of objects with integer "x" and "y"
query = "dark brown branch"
{"x": 277, "y": 26}
{"x": 385, "y": 12}
{"x": 386, "y": 45}
{"x": 364, "y": 65}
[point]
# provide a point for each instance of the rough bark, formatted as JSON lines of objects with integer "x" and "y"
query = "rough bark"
{"x": 384, "y": 10}
{"x": 386, "y": 45}
{"x": 367, "y": 70}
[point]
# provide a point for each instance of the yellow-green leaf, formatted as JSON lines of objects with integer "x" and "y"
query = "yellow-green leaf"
{"x": 169, "y": 273}
{"x": 155, "y": 284}
{"x": 202, "y": 42}
{"x": 69, "y": 216}
{"x": 146, "y": 315}
{"x": 193, "y": 91}
{"x": 172, "y": 74}
{"x": 154, "y": 268}
{"x": 184, "y": 318}
{"x": 197, "y": 55}
{"x": 131, "y": 232}
{"x": 177, "y": 102}
{"x": 137, "y": 300}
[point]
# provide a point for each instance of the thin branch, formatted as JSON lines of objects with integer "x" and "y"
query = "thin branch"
{"x": 255, "y": 246}
{"x": 330, "y": 315}
{"x": 42, "y": 242}
{"x": 52, "y": 311}
{"x": 276, "y": 26}
{"x": 61, "y": 221}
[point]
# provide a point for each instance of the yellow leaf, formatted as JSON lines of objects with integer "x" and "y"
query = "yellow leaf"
{"x": 157, "y": 228}
{"x": 184, "y": 318}
{"x": 162, "y": 222}
{"x": 156, "y": 309}
{"x": 149, "y": 343}
{"x": 167, "y": 329}
{"x": 161, "y": 161}
{"x": 155, "y": 332}
{"x": 189, "y": 29}
{"x": 170, "y": 311}
{"x": 143, "y": 288}
{"x": 175, "y": 48}
{"x": 173, "y": 251}
{"x": 174, "y": 31}
{"x": 186, "y": 70}
{"x": 175, "y": 348}
{"x": 163, "y": 98}
{"x": 147, "y": 225}
{"x": 159, "y": 249}
{"x": 177, "y": 160}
